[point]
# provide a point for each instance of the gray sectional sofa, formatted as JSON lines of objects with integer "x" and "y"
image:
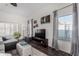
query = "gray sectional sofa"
{"x": 9, "y": 42}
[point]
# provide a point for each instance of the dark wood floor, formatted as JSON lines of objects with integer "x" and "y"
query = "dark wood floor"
{"x": 48, "y": 50}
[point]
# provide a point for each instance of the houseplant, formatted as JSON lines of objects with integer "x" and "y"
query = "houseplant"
{"x": 17, "y": 35}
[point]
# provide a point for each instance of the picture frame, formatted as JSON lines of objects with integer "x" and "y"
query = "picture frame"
{"x": 42, "y": 20}
{"x": 47, "y": 18}
{"x": 35, "y": 24}
{"x": 35, "y": 21}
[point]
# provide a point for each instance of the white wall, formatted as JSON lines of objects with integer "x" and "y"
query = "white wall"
{"x": 64, "y": 46}
{"x": 10, "y": 17}
{"x": 49, "y": 29}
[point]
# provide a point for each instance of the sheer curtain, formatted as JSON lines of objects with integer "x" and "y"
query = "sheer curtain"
{"x": 75, "y": 39}
{"x": 55, "y": 26}
{"x": 65, "y": 15}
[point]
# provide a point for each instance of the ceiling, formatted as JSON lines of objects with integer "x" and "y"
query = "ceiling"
{"x": 27, "y": 9}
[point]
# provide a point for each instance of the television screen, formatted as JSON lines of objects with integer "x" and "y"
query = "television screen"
{"x": 40, "y": 33}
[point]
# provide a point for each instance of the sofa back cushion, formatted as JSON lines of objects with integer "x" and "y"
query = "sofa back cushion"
{"x": 4, "y": 38}
{"x": 9, "y": 37}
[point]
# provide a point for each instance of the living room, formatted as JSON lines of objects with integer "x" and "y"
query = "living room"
{"x": 38, "y": 29}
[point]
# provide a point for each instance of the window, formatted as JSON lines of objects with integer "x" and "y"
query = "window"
{"x": 9, "y": 28}
{"x": 2, "y": 30}
{"x": 12, "y": 28}
{"x": 65, "y": 27}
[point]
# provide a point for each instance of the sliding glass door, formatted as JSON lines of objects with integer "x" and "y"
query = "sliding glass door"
{"x": 65, "y": 27}
{"x": 63, "y": 31}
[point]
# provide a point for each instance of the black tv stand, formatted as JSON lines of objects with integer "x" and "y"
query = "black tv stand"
{"x": 40, "y": 41}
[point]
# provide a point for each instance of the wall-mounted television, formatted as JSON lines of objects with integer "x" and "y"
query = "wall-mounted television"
{"x": 40, "y": 33}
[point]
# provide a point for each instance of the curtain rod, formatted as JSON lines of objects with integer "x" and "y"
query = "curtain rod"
{"x": 63, "y": 7}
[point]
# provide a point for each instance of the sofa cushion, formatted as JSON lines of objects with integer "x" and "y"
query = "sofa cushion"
{"x": 4, "y": 38}
{"x": 9, "y": 37}
{"x": 21, "y": 38}
{"x": 10, "y": 41}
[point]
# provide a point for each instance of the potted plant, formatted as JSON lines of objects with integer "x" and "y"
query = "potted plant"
{"x": 17, "y": 35}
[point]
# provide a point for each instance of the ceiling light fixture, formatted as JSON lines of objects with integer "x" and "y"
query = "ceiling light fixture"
{"x": 14, "y": 4}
